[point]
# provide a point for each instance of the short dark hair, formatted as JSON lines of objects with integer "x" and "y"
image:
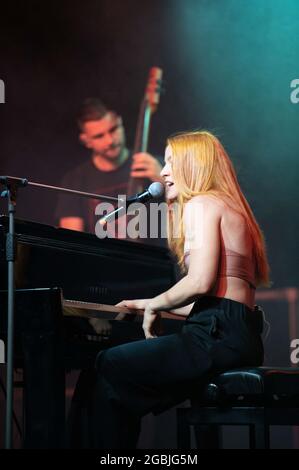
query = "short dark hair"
{"x": 92, "y": 109}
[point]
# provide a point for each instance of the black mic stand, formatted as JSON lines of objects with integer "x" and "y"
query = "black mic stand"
{"x": 10, "y": 193}
{"x": 11, "y": 185}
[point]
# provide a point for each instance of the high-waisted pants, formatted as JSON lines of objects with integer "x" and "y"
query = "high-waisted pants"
{"x": 153, "y": 375}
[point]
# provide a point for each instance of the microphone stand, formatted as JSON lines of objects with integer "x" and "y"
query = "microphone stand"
{"x": 12, "y": 184}
{"x": 11, "y": 194}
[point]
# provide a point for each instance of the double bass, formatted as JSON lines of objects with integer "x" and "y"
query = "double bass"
{"x": 148, "y": 106}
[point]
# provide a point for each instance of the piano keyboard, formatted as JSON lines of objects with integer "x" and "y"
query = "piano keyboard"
{"x": 96, "y": 310}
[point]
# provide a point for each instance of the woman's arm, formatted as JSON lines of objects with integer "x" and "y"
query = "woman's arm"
{"x": 202, "y": 233}
{"x": 142, "y": 304}
{"x": 183, "y": 311}
{"x": 202, "y": 229}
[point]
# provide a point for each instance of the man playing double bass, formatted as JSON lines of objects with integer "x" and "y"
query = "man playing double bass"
{"x": 107, "y": 171}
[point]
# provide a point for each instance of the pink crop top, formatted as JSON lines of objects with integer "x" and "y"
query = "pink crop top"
{"x": 232, "y": 264}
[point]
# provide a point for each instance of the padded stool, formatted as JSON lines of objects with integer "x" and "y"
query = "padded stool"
{"x": 257, "y": 397}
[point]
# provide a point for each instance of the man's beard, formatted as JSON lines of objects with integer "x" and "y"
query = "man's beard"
{"x": 114, "y": 151}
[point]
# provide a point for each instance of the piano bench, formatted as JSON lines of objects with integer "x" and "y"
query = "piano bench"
{"x": 257, "y": 397}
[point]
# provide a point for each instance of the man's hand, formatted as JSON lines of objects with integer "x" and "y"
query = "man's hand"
{"x": 146, "y": 166}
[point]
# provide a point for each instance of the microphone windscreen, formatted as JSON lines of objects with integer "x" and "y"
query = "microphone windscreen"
{"x": 156, "y": 190}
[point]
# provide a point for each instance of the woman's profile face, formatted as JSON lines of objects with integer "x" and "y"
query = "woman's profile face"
{"x": 166, "y": 173}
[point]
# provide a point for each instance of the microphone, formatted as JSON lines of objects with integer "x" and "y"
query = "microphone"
{"x": 13, "y": 180}
{"x": 154, "y": 191}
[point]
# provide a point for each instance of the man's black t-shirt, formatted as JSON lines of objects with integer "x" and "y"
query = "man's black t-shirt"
{"x": 86, "y": 177}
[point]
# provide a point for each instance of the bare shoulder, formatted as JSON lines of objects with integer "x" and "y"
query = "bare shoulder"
{"x": 208, "y": 204}
{"x": 202, "y": 218}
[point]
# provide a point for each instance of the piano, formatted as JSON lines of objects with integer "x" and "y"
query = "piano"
{"x": 63, "y": 279}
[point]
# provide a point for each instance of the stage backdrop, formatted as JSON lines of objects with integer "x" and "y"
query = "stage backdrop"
{"x": 228, "y": 67}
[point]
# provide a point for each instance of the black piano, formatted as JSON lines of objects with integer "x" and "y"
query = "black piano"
{"x": 55, "y": 264}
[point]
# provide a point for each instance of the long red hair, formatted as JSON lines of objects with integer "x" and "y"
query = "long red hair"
{"x": 200, "y": 165}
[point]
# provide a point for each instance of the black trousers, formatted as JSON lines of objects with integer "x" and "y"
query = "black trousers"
{"x": 152, "y": 375}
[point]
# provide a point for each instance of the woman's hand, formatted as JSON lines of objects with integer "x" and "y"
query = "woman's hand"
{"x": 151, "y": 319}
{"x": 137, "y": 304}
{"x": 151, "y": 322}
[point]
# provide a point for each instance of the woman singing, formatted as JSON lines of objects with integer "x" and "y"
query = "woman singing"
{"x": 220, "y": 248}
